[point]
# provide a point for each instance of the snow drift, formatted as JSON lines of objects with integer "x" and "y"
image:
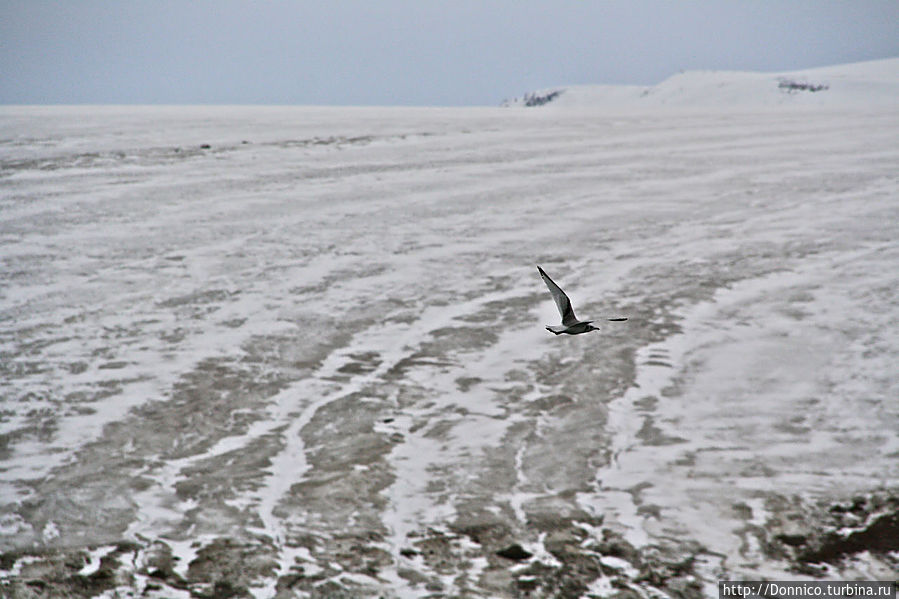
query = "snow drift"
{"x": 865, "y": 84}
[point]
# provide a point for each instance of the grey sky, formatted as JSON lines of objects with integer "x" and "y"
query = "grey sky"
{"x": 409, "y": 52}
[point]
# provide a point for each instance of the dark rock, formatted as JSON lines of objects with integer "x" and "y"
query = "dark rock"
{"x": 794, "y": 540}
{"x": 613, "y": 544}
{"x": 231, "y": 565}
{"x": 791, "y": 86}
{"x": 515, "y": 552}
{"x": 224, "y": 589}
{"x": 484, "y": 531}
{"x": 880, "y": 535}
{"x": 39, "y": 584}
{"x": 817, "y": 537}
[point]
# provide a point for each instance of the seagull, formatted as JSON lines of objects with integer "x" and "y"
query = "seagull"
{"x": 570, "y": 323}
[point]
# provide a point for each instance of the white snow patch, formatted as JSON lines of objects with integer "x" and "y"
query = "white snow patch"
{"x": 95, "y": 557}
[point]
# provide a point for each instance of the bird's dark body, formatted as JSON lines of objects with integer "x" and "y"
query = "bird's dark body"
{"x": 575, "y": 329}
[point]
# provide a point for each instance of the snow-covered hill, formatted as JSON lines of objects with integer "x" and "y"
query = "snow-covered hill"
{"x": 864, "y": 84}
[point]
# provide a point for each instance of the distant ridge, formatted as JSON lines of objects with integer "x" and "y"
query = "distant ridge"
{"x": 863, "y": 84}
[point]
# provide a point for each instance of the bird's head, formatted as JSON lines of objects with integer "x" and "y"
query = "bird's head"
{"x": 590, "y": 327}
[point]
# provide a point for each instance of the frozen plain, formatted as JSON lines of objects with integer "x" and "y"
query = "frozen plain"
{"x": 309, "y": 359}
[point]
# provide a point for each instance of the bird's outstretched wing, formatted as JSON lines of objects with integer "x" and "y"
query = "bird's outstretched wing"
{"x": 562, "y": 301}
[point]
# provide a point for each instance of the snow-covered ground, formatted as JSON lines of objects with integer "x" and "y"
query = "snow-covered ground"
{"x": 865, "y": 85}
{"x": 300, "y": 351}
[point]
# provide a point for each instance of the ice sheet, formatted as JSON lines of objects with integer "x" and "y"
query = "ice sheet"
{"x": 328, "y": 342}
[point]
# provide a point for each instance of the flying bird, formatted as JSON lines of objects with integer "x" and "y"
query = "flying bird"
{"x": 570, "y": 323}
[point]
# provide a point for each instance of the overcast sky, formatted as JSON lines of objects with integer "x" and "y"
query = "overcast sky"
{"x": 408, "y": 52}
